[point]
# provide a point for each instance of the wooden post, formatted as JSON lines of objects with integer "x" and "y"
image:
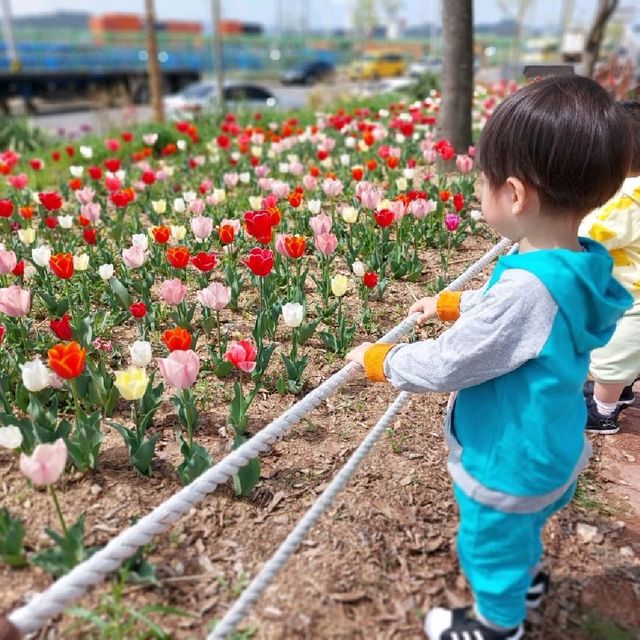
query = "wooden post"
{"x": 153, "y": 65}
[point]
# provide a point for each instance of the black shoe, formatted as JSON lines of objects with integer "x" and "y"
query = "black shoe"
{"x": 461, "y": 624}
{"x": 597, "y": 423}
{"x": 538, "y": 590}
{"x": 626, "y": 398}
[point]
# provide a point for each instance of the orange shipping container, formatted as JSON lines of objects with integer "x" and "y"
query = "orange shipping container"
{"x": 182, "y": 26}
{"x": 231, "y": 27}
{"x": 116, "y": 22}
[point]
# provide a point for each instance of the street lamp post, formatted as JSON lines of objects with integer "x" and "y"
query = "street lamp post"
{"x": 155, "y": 78}
{"x": 218, "y": 53}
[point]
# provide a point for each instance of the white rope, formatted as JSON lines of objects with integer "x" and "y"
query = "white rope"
{"x": 51, "y": 602}
{"x": 249, "y": 596}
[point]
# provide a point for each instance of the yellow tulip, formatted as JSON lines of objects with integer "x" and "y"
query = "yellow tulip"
{"x": 339, "y": 285}
{"x": 132, "y": 383}
{"x": 27, "y": 236}
{"x": 159, "y": 206}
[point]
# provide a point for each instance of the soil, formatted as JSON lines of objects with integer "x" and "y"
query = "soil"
{"x": 381, "y": 556}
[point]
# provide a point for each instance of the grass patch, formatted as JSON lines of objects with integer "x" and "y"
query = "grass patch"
{"x": 600, "y": 628}
{"x": 587, "y": 498}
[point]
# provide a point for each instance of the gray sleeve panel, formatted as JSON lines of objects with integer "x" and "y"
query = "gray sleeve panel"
{"x": 509, "y": 326}
{"x": 470, "y": 299}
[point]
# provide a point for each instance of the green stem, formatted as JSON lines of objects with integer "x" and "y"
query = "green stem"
{"x": 76, "y": 399}
{"x": 219, "y": 332}
{"x": 24, "y": 337}
{"x": 187, "y": 412}
{"x": 67, "y": 289}
{"x": 63, "y": 524}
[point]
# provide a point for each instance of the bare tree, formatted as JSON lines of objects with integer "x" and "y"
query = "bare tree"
{"x": 457, "y": 73}
{"x": 595, "y": 36}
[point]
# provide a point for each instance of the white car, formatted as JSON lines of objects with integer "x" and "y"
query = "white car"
{"x": 433, "y": 66}
{"x": 201, "y": 97}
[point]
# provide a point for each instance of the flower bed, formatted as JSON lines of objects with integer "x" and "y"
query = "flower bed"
{"x": 166, "y": 292}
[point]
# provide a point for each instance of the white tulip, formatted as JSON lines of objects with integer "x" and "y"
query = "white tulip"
{"x": 181, "y": 144}
{"x": 349, "y": 214}
{"x": 314, "y": 206}
{"x": 140, "y": 352}
{"x": 358, "y": 268}
{"x": 179, "y": 205}
{"x": 86, "y": 152}
{"x": 35, "y": 375}
{"x": 178, "y": 232}
{"x": 475, "y": 214}
{"x": 255, "y": 202}
{"x": 159, "y": 206}
{"x": 76, "y": 171}
{"x": 105, "y": 271}
{"x": 10, "y": 437}
{"x": 40, "y": 255}
{"x": 65, "y": 221}
{"x": 29, "y": 271}
{"x": 292, "y": 314}
{"x": 245, "y": 177}
{"x": 190, "y": 196}
{"x": 140, "y": 240}
{"x": 27, "y": 236}
{"x": 150, "y": 139}
{"x": 81, "y": 262}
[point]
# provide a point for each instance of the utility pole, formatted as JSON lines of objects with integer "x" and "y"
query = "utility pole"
{"x": 155, "y": 77}
{"x": 7, "y": 30}
{"x": 218, "y": 53}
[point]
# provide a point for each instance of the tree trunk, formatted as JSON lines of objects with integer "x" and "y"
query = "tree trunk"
{"x": 596, "y": 35}
{"x": 155, "y": 77}
{"x": 457, "y": 75}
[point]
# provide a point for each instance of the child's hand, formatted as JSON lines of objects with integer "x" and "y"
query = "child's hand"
{"x": 426, "y": 307}
{"x": 357, "y": 354}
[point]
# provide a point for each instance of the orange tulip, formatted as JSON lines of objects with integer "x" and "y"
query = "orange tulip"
{"x": 177, "y": 339}
{"x": 295, "y": 246}
{"x": 62, "y": 265}
{"x": 67, "y": 359}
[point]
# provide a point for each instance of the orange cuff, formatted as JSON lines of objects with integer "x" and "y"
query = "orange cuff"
{"x": 448, "y": 305}
{"x": 374, "y": 361}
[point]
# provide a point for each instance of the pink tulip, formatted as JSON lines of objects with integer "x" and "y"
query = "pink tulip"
{"x": 451, "y": 221}
{"x": 430, "y": 156}
{"x": 237, "y": 227}
{"x": 46, "y": 464}
{"x": 91, "y": 211}
{"x": 332, "y": 187}
{"x": 8, "y": 262}
{"x": 180, "y": 368}
{"x": 19, "y": 182}
{"x": 216, "y": 296}
{"x": 197, "y": 206}
{"x": 370, "y": 198}
{"x": 15, "y": 301}
{"x": 326, "y": 243}
{"x": 472, "y": 151}
{"x": 85, "y": 196}
{"x": 173, "y": 291}
{"x": 309, "y": 183}
{"x": 230, "y": 180}
{"x": 280, "y": 189}
{"x": 133, "y": 257}
{"x": 264, "y": 184}
{"x": 420, "y": 208}
{"x": 262, "y": 171}
{"x": 464, "y": 163}
{"x": 296, "y": 168}
{"x": 280, "y": 247}
{"x": 112, "y": 183}
{"x": 320, "y": 224}
{"x": 399, "y": 209}
{"x": 243, "y": 355}
{"x": 201, "y": 227}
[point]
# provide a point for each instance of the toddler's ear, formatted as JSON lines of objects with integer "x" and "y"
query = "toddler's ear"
{"x": 522, "y": 195}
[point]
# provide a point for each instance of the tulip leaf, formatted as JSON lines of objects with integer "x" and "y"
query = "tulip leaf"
{"x": 330, "y": 341}
{"x": 196, "y": 460}
{"x": 122, "y": 295}
{"x": 307, "y": 330}
{"x": 143, "y": 456}
{"x": 223, "y": 369}
{"x": 11, "y": 540}
{"x": 247, "y": 477}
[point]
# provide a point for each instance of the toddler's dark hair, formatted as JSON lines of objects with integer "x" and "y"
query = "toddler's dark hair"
{"x": 631, "y": 109}
{"x": 564, "y": 136}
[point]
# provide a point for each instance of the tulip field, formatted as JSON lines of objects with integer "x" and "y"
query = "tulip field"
{"x": 165, "y": 293}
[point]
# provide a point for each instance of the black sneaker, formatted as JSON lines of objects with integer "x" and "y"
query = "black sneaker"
{"x": 597, "y": 423}
{"x": 461, "y": 624}
{"x": 538, "y": 590}
{"x": 626, "y": 398}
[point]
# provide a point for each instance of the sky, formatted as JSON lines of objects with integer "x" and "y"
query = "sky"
{"x": 323, "y": 14}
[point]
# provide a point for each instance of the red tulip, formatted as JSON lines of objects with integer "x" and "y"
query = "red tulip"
{"x": 226, "y": 233}
{"x": 458, "y": 202}
{"x": 242, "y": 354}
{"x": 51, "y": 222}
{"x": 177, "y": 339}
{"x": 62, "y": 328}
{"x": 95, "y": 173}
{"x": 178, "y": 257}
{"x": 259, "y": 225}
{"x": 138, "y": 309}
{"x": 113, "y": 164}
{"x": 51, "y": 200}
{"x": 260, "y": 261}
{"x": 90, "y": 236}
{"x": 148, "y": 177}
{"x": 67, "y": 360}
{"x": 6, "y": 208}
{"x": 204, "y": 262}
{"x": 161, "y": 234}
{"x": 295, "y": 246}
{"x": 384, "y": 217}
{"x": 2, "y": 330}
{"x": 62, "y": 265}
{"x": 370, "y": 279}
{"x": 18, "y": 270}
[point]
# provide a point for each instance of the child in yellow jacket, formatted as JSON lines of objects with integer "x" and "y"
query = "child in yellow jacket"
{"x": 616, "y": 225}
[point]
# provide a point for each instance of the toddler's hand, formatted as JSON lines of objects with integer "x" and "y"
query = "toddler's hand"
{"x": 357, "y": 354}
{"x": 426, "y": 307}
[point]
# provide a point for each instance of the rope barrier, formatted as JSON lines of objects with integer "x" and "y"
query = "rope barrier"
{"x": 249, "y": 596}
{"x": 52, "y": 601}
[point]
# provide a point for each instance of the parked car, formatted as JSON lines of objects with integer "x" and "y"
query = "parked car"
{"x": 373, "y": 66}
{"x": 309, "y": 73}
{"x": 201, "y": 96}
{"x": 433, "y": 65}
